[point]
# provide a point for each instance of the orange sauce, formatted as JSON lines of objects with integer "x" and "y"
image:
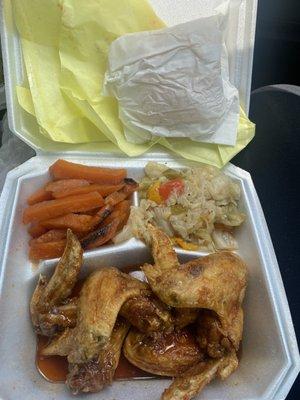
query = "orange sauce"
{"x": 55, "y": 368}
{"x": 126, "y": 370}
{"x": 52, "y": 368}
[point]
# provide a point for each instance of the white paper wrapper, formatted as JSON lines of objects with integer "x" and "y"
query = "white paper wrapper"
{"x": 174, "y": 82}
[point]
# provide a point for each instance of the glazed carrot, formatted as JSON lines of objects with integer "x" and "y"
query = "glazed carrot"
{"x": 123, "y": 206}
{"x": 121, "y": 212}
{"x": 122, "y": 221}
{"x": 101, "y": 215}
{"x": 36, "y": 230}
{"x": 113, "y": 199}
{"x": 91, "y": 212}
{"x": 62, "y": 169}
{"x": 104, "y": 190}
{"x": 38, "y": 196}
{"x": 44, "y": 251}
{"x": 109, "y": 227}
{"x": 55, "y": 208}
{"x": 66, "y": 184}
{"x": 101, "y": 236}
{"x": 53, "y": 235}
{"x": 76, "y": 222}
{"x": 124, "y": 209}
{"x": 116, "y": 197}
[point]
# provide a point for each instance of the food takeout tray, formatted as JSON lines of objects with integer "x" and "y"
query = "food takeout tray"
{"x": 269, "y": 356}
{"x": 269, "y": 360}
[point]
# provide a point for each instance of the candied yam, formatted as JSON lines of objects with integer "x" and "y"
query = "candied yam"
{"x": 76, "y": 222}
{"x": 55, "y": 208}
{"x": 63, "y": 169}
{"x": 104, "y": 190}
{"x": 53, "y": 235}
{"x": 36, "y": 230}
{"x": 38, "y": 196}
{"x": 45, "y": 251}
{"x": 66, "y": 184}
{"x": 100, "y": 236}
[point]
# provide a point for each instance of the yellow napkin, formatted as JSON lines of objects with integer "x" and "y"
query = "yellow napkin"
{"x": 65, "y": 45}
{"x": 39, "y": 22}
{"x": 85, "y": 37}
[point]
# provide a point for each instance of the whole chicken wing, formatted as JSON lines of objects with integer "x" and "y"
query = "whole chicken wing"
{"x": 47, "y": 295}
{"x": 101, "y": 298}
{"x": 147, "y": 313}
{"x": 215, "y": 282}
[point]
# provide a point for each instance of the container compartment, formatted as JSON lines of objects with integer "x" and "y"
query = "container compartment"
{"x": 269, "y": 357}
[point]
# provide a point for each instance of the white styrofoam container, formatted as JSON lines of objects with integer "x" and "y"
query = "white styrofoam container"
{"x": 269, "y": 359}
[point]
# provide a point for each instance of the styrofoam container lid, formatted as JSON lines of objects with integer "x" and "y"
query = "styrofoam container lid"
{"x": 239, "y": 41}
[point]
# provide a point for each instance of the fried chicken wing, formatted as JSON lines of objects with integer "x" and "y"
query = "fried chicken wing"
{"x": 60, "y": 345}
{"x": 99, "y": 372}
{"x": 50, "y": 294}
{"x": 60, "y": 317}
{"x": 167, "y": 354}
{"x": 184, "y": 316}
{"x": 147, "y": 313}
{"x": 191, "y": 382}
{"x": 36, "y": 305}
{"x": 212, "y": 338}
{"x": 101, "y": 298}
{"x": 216, "y": 282}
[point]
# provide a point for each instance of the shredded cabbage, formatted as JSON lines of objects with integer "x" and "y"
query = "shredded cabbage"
{"x": 208, "y": 203}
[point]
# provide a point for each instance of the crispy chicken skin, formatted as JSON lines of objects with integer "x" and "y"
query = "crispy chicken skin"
{"x": 191, "y": 382}
{"x": 60, "y": 345}
{"x": 216, "y": 282}
{"x": 47, "y": 295}
{"x": 99, "y": 372}
{"x": 167, "y": 354}
{"x": 212, "y": 338}
{"x": 60, "y": 317}
{"x": 184, "y": 316}
{"x": 147, "y": 313}
{"x": 101, "y": 298}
